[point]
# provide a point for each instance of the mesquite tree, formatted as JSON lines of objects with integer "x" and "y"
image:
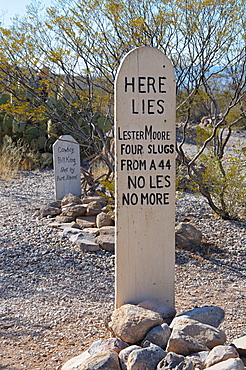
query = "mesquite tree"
{"x": 60, "y": 65}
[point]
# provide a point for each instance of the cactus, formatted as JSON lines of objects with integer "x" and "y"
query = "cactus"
{"x": 18, "y": 127}
{"x": 5, "y": 98}
{"x": 5, "y": 119}
{"x": 5, "y": 126}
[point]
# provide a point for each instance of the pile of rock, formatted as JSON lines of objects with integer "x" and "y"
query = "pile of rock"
{"x": 148, "y": 337}
{"x": 87, "y": 223}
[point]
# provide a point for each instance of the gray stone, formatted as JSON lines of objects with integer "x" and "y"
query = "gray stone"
{"x": 184, "y": 344}
{"x": 70, "y": 198}
{"x": 94, "y": 198}
{"x": 173, "y": 361}
{"x": 87, "y": 245}
{"x": 207, "y": 334}
{"x": 55, "y": 225}
{"x": 187, "y": 236}
{"x": 165, "y": 311}
{"x": 124, "y": 354}
{"x": 106, "y": 242}
{"x": 105, "y": 230}
{"x": 76, "y": 362}
{"x": 48, "y": 211}
{"x": 131, "y": 323}
{"x": 240, "y": 344}
{"x": 104, "y": 219}
{"x": 198, "y": 365}
{"x": 55, "y": 203}
{"x": 80, "y": 237}
{"x": 64, "y": 219}
{"x": 58, "y": 225}
{"x": 92, "y": 230}
{"x": 94, "y": 208}
{"x": 145, "y": 358}
{"x": 74, "y": 225}
{"x": 69, "y": 231}
{"x": 115, "y": 344}
{"x": 146, "y": 343}
{"x": 85, "y": 222}
{"x": 73, "y": 238}
{"x": 210, "y": 315}
{"x": 231, "y": 364}
{"x": 96, "y": 347}
{"x": 159, "y": 335}
{"x": 199, "y": 356}
{"x": 74, "y": 210}
{"x": 220, "y": 353}
{"x": 108, "y": 360}
{"x": 85, "y": 241}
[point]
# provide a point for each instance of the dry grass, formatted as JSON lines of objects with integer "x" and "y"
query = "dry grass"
{"x": 15, "y": 157}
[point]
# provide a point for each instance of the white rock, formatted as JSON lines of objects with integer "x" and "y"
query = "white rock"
{"x": 87, "y": 245}
{"x": 159, "y": 335}
{"x": 104, "y": 219}
{"x": 184, "y": 344}
{"x": 92, "y": 230}
{"x": 210, "y": 315}
{"x": 220, "y": 353}
{"x": 231, "y": 364}
{"x": 165, "y": 311}
{"x": 124, "y": 354}
{"x": 96, "y": 347}
{"x": 207, "y": 334}
{"x": 107, "y": 230}
{"x": 145, "y": 358}
{"x": 107, "y": 360}
{"x": 75, "y": 362}
{"x": 106, "y": 242}
{"x": 187, "y": 236}
{"x": 131, "y": 323}
{"x": 240, "y": 344}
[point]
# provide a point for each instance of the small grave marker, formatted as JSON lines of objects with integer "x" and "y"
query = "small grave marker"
{"x": 145, "y": 177}
{"x": 66, "y": 158}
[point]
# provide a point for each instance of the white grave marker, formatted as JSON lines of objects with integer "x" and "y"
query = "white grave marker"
{"x": 145, "y": 178}
{"x": 66, "y": 159}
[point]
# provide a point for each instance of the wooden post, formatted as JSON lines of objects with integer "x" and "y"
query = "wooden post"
{"x": 145, "y": 177}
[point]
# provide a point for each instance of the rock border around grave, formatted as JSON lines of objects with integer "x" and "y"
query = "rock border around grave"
{"x": 85, "y": 221}
{"x": 71, "y": 214}
{"x": 141, "y": 340}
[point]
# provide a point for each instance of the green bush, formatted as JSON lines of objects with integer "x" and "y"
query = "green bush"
{"x": 224, "y": 179}
{"x": 109, "y": 194}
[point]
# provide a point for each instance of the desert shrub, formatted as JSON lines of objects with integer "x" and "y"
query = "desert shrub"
{"x": 202, "y": 134}
{"x": 16, "y": 156}
{"x": 225, "y": 180}
{"x": 108, "y": 193}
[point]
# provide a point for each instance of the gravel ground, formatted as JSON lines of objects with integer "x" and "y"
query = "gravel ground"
{"x": 55, "y": 298}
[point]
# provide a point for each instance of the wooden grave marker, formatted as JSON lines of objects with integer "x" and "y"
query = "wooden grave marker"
{"x": 145, "y": 177}
{"x": 66, "y": 159}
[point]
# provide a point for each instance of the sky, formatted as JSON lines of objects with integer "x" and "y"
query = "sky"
{"x": 9, "y": 8}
